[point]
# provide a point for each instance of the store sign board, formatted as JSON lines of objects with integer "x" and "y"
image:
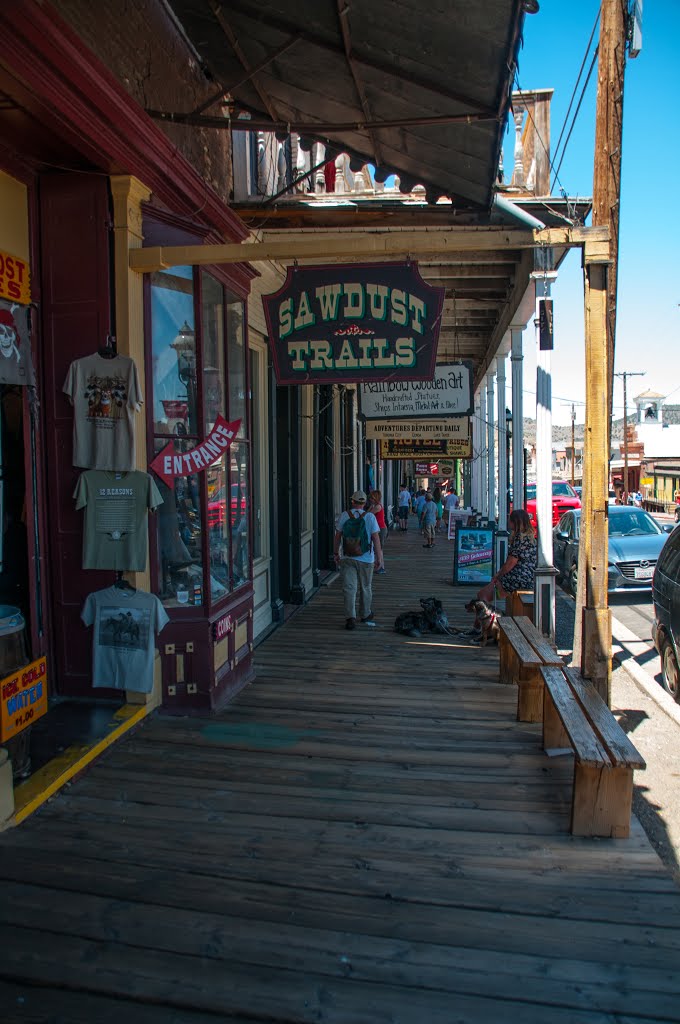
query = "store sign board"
{"x": 418, "y": 448}
{"x": 427, "y": 468}
{"x": 447, "y": 393}
{"x": 222, "y": 627}
{"x": 355, "y": 322}
{"x": 23, "y": 698}
{"x": 443, "y": 430}
{"x": 169, "y": 463}
{"x": 15, "y": 279}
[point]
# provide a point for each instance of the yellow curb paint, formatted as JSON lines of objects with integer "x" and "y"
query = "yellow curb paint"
{"x": 30, "y": 795}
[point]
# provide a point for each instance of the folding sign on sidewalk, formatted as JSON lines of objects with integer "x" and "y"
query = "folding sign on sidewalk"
{"x": 356, "y": 322}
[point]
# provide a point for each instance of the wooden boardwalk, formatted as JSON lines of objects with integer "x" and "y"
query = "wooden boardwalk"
{"x": 366, "y": 835}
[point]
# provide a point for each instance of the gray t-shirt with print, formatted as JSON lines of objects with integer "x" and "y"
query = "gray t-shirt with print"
{"x": 105, "y": 394}
{"x": 125, "y": 625}
{"x": 116, "y": 505}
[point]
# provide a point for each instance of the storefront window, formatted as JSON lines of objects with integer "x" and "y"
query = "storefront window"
{"x": 256, "y": 358}
{"x": 175, "y": 405}
{"x": 199, "y": 372}
{"x": 180, "y": 569}
{"x": 237, "y": 363}
{"x": 239, "y": 514}
{"x": 212, "y": 328}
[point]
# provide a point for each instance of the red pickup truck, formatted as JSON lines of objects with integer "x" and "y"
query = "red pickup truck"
{"x": 564, "y": 498}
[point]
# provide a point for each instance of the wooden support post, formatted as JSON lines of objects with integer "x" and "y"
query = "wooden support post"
{"x": 591, "y": 604}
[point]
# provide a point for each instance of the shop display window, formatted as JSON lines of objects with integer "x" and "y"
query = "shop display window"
{"x": 199, "y": 371}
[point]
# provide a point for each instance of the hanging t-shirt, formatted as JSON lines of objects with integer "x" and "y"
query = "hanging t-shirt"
{"x": 116, "y": 506}
{"x": 105, "y": 395}
{"x": 125, "y": 624}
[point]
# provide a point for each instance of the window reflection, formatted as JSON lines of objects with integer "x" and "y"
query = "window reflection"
{"x": 218, "y": 529}
{"x": 212, "y": 329}
{"x": 173, "y": 346}
{"x": 179, "y": 520}
{"x": 237, "y": 363}
{"x": 240, "y": 508}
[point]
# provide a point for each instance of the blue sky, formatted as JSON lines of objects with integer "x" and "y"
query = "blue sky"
{"x": 648, "y": 325}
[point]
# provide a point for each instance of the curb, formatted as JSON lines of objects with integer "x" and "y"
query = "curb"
{"x": 628, "y": 646}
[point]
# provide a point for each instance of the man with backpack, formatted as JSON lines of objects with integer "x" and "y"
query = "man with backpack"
{"x": 359, "y": 534}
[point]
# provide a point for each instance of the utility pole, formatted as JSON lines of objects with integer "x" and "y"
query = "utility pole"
{"x": 573, "y": 442}
{"x": 614, "y": 20}
{"x": 625, "y": 375}
{"x": 592, "y": 627}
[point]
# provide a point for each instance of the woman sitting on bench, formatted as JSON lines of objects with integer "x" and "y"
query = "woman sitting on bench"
{"x": 519, "y": 568}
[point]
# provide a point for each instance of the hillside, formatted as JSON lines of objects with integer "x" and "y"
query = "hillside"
{"x": 562, "y": 434}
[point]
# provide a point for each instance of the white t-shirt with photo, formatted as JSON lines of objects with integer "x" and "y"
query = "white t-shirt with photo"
{"x": 126, "y": 623}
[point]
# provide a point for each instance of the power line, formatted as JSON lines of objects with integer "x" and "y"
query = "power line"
{"x": 578, "y": 79}
{"x": 573, "y": 123}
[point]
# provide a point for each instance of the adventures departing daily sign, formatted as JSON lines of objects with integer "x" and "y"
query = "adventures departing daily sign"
{"x": 357, "y": 322}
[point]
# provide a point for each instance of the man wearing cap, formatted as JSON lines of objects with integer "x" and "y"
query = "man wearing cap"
{"x": 357, "y": 569}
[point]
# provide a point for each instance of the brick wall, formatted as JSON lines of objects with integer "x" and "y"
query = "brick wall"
{"x": 141, "y": 45}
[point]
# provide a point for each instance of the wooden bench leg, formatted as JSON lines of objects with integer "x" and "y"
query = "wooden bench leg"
{"x": 530, "y": 696}
{"x": 507, "y": 660}
{"x": 554, "y": 734}
{"x": 602, "y": 801}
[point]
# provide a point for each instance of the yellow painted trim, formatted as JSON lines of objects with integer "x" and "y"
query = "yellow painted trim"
{"x": 30, "y": 795}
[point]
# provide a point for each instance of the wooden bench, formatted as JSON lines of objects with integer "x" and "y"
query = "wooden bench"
{"x": 520, "y": 602}
{"x": 523, "y": 650}
{"x": 575, "y": 716}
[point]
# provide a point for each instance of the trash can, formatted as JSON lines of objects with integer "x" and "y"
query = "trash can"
{"x": 12, "y": 657}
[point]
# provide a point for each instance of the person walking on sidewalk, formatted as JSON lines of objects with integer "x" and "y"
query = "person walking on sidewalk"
{"x": 404, "y": 506}
{"x": 420, "y": 506}
{"x": 429, "y": 520}
{"x": 358, "y": 533}
{"x": 376, "y": 506}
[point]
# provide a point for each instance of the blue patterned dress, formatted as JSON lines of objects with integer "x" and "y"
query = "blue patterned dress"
{"x": 523, "y": 547}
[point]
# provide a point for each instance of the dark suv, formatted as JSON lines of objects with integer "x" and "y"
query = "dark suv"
{"x": 666, "y": 626}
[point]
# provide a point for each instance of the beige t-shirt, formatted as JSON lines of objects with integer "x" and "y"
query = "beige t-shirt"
{"x": 105, "y": 395}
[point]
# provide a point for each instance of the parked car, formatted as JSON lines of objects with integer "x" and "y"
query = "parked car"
{"x": 217, "y": 507}
{"x": 666, "y": 625}
{"x": 635, "y": 543}
{"x": 564, "y": 497}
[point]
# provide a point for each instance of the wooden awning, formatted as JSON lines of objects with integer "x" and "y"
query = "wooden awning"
{"x": 420, "y": 90}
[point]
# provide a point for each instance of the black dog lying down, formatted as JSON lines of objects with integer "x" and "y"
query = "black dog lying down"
{"x": 432, "y": 619}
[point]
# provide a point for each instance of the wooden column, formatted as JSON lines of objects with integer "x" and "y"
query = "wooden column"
{"x": 594, "y": 639}
{"x": 517, "y": 360}
{"x": 491, "y": 446}
{"x": 544, "y": 589}
{"x": 128, "y": 195}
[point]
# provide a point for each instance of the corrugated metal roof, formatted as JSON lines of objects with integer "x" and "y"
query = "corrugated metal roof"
{"x": 394, "y": 74}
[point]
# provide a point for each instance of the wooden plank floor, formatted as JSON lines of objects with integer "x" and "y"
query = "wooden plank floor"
{"x": 366, "y": 835}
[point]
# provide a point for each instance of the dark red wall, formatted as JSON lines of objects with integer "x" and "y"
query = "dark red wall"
{"x": 75, "y": 319}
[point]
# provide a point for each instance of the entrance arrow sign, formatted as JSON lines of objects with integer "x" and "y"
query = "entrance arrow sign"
{"x": 168, "y": 463}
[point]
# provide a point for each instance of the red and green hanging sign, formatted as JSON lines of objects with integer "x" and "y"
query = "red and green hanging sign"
{"x": 355, "y": 322}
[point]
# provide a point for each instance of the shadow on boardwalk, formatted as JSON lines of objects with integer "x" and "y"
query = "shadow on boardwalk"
{"x": 365, "y": 835}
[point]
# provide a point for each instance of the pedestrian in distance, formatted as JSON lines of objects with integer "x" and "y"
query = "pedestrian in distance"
{"x": 404, "y": 506}
{"x": 429, "y": 520}
{"x": 376, "y": 506}
{"x": 437, "y": 498}
{"x": 358, "y": 535}
{"x": 420, "y": 505}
